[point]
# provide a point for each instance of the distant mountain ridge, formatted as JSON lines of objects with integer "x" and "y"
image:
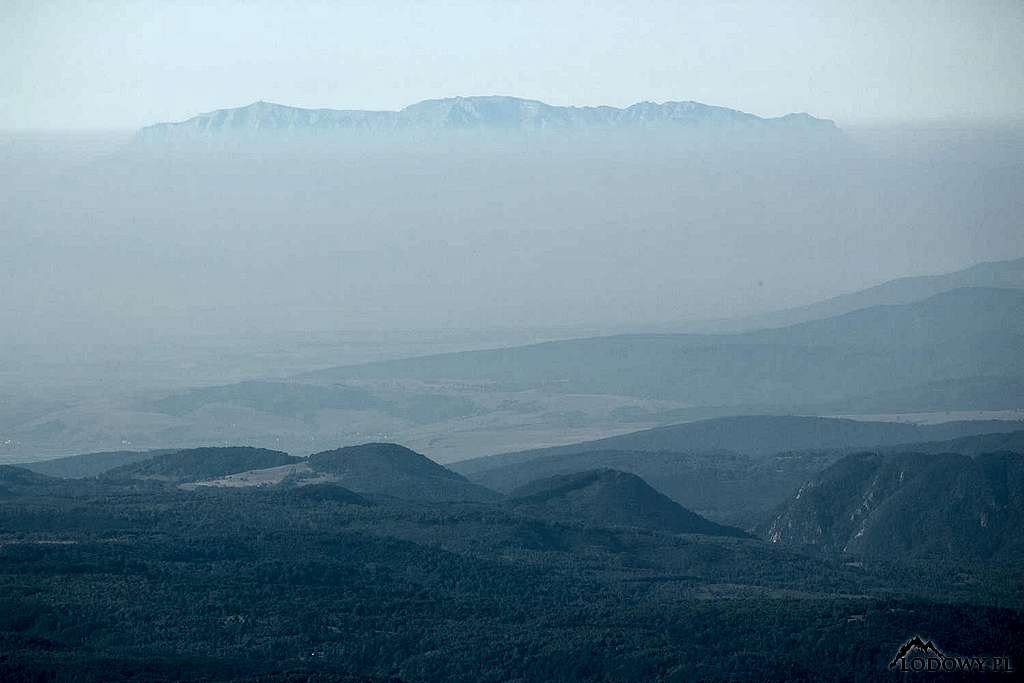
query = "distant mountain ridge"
{"x": 1007, "y": 274}
{"x": 468, "y": 113}
{"x": 959, "y": 336}
{"x": 755, "y": 435}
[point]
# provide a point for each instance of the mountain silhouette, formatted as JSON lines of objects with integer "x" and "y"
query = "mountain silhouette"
{"x": 495, "y": 113}
{"x": 925, "y": 646}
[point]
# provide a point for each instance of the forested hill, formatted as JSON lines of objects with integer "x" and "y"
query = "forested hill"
{"x": 194, "y": 464}
{"x": 393, "y": 470}
{"x": 611, "y": 498}
{"x": 909, "y": 504}
{"x": 992, "y": 274}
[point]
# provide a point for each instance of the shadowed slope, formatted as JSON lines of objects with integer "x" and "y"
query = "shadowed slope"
{"x": 393, "y": 470}
{"x": 195, "y": 464}
{"x": 608, "y": 497}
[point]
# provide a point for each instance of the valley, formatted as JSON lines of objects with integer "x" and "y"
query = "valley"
{"x": 955, "y": 352}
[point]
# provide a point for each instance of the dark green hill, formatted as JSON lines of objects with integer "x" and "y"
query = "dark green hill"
{"x": 393, "y": 470}
{"x": 611, "y": 498}
{"x": 18, "y": 476}
{"x": 909, "y": 505}
{"x": 195, "y": 464}
{"x": 91, "y": 464}
{"x": 324, "y": 493}
{"x": 727, "y": 487}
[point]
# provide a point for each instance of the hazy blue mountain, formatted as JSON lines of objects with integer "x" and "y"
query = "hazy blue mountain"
{"x": 961, "y": 334}
{"x": 969, "y": 445}
{"x": 194, "y": 464}
{"x": 393, "y": 470}
{"x": 993, "y": 274}
{"x": 909, "y": 504}
{"x": 967, "y": 312}
{"x": 461, "y": 113}
{"x": 611, "y": 498}
{"x": 90, "y": 464}
{"x": 756, "y": 435}
{"x": 997, "y": 392}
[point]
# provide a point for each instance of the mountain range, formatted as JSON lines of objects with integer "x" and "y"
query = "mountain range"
{"x": 1007, "y": 274}
{"x": 968, "y": 335}
{"x": 755, "y": 435}
{"x": 497, "y": 113}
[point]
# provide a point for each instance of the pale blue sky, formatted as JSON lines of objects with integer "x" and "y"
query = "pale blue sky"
{"x": 67, "y": 64}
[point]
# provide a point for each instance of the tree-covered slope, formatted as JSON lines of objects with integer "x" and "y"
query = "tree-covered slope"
{"x": 393, "y": 470}
{"x": 909, "y": 504}
{"x": 195, "y": 464}
{"x": 611, "y": 498}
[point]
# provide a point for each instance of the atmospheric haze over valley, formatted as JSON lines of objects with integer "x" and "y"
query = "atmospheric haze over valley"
{"x": 486, "y": 342}
{"x": 197, "y": 283}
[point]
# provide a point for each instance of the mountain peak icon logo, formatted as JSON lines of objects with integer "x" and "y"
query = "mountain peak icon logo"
{"x": 915, "y": 643}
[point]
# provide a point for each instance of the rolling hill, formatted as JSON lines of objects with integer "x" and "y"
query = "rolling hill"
{"x": 323, "y": 493}
{"x": 195, "y": 464}
{"x": 955, "y": 336}
{"x": 905, "y": 290}
{"x": 756, "y": 435}
{"x": 395, "y": 471}
{"x": 611, "y": 498}
{"x": 17, "y": 476}
{"x": 968, "y": 445}
{"x": 91, "y": 464}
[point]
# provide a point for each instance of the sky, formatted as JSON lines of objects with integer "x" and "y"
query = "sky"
{"x": 68, "y": 64}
